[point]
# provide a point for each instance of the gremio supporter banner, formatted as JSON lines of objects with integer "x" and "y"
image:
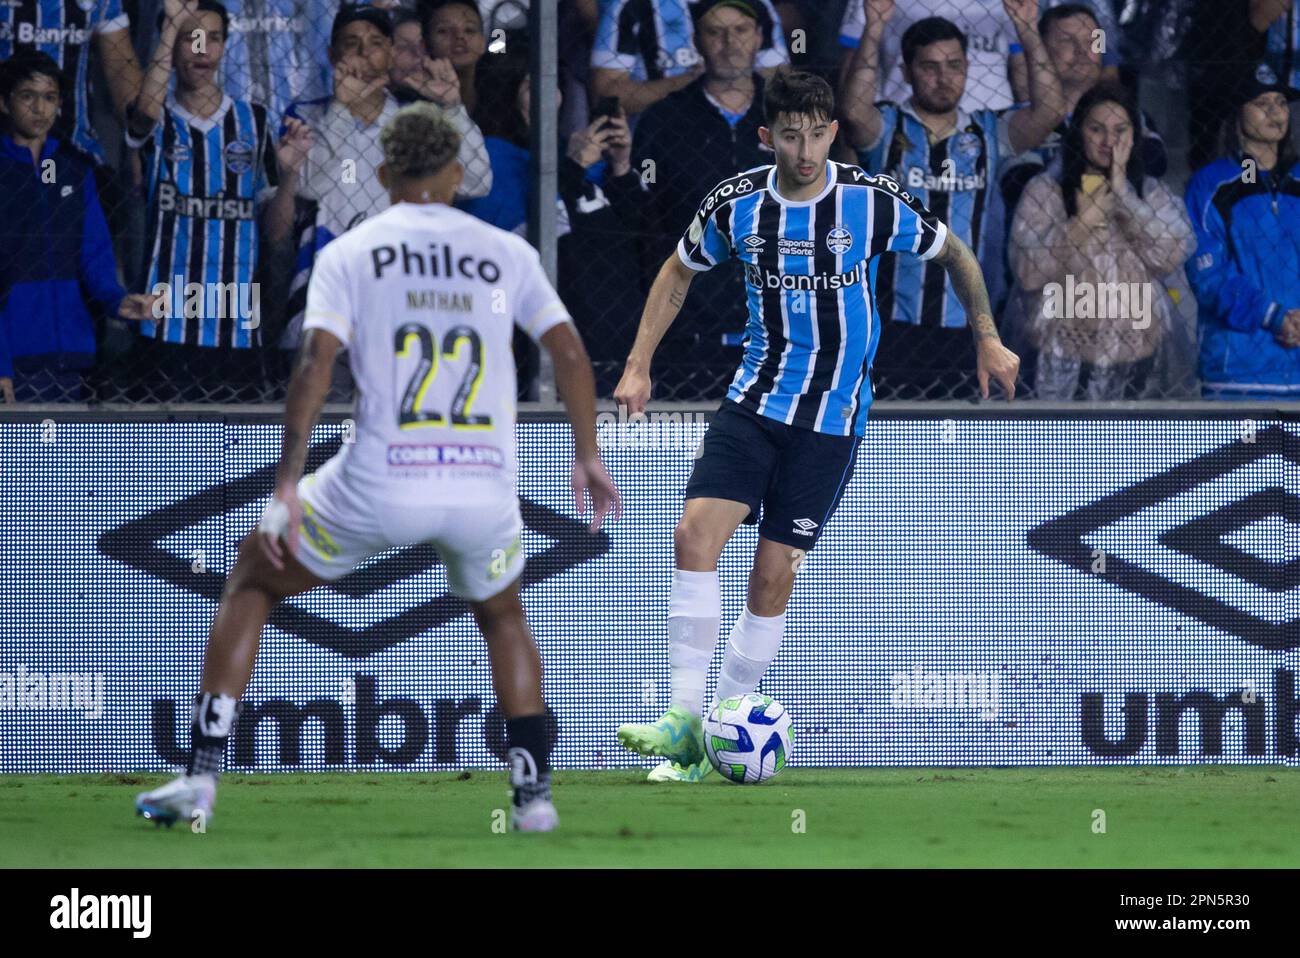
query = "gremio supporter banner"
{"x": 991, "y": 591}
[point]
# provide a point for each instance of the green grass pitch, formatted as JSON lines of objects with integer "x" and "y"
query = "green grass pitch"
{"x": 1202, "y": 816}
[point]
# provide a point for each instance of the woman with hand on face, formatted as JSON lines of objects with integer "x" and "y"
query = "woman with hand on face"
{"x": 1090, "y": 244}
{"x": 416, "y": 75}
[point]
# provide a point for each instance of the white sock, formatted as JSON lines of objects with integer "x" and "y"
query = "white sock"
{"x": 693, "y": 615}
{"x": 752, "y": 647}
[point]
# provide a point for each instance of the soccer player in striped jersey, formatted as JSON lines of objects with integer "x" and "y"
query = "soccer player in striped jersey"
{"x": 210, "y": 163}
{"x": 63, "y": 29}
{"x": 809, "y": 234}
{"x": 425, "y": 298}
{"x": 950, "y": 161}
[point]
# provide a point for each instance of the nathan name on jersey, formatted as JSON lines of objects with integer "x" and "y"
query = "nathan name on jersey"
{"x": 425, "y": 297}
{"x": 809, "y": 271}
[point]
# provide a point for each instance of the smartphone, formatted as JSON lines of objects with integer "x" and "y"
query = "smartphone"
{"x": 606, "y": 106}
{"x": 1091, "y": 183}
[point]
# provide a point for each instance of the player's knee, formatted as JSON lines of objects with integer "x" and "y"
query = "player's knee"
{"x": 248, "y": 574}
{"x": 500, "y": 613}
{"x": 693, "y": 546}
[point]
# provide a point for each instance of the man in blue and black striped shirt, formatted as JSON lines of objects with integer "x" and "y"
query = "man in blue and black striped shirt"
{"x": 210, "y": 163}
{"x": 809, "y": 235}
{"x": 950, "y": 160}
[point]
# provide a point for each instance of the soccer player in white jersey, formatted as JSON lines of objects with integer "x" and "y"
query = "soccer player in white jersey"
{"x": 783, "y": 443}
{"x": 423, "y": 297}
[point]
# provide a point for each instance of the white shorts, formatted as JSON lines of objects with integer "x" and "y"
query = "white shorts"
{"x": 479, "y": 544}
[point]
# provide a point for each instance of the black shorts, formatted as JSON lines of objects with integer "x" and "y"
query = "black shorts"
{"x": 795, "y": 475}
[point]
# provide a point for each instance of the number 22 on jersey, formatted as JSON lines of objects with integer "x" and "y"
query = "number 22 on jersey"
{"x": 412, "y": 414}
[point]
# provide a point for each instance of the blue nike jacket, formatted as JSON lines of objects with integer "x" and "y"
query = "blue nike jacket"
{"x": 55, "y": 252}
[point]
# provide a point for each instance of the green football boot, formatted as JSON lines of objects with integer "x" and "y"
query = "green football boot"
{"x": 678, "y": 737}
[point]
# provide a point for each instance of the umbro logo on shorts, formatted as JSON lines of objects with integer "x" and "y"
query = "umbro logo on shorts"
{"x": 804, "y": 527}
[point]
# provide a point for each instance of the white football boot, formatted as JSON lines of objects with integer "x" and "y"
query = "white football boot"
{"x": 530, "y": 794}
{"x": 539, "y": 815}
{"x": 186, "y": 796}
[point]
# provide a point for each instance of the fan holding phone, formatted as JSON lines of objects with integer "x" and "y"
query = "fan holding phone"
{"x": 606, "y": 137}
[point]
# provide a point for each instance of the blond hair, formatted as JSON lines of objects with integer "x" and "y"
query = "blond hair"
{"x": 418, "y": 141}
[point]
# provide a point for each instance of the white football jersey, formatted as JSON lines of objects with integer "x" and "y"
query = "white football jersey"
{"x": 426, "y": 297}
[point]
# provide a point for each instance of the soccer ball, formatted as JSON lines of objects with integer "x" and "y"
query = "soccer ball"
{"x": 748, "y": 737}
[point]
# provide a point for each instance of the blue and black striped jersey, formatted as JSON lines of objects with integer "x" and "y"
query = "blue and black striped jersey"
{"x": 955, "y": 178}
{"x": 205, "y": 177}
{"x": 63, "y": 29}
{"x": 278, "y": 52}
{"x": 809, "y": 268}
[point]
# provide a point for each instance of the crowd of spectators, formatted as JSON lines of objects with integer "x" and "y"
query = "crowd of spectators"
{"x": 169, "y": 170}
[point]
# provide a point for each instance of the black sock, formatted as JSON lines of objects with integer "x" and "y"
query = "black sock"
{"x": 213, "y": 722}
{"x": 530, "y": 758}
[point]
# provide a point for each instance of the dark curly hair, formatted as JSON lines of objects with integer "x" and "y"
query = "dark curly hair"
{"x": 798, "y": 94}
{"x": 418, "y": 141}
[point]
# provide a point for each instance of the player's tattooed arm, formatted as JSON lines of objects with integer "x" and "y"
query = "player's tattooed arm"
{"x": 307, "y": 390}
{"x": 993, "y": 361}
{"x": 667, "y": 295}
{"x": 968, "y": 283}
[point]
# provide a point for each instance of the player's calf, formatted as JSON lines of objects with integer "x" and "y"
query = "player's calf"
{"x": 517, "y": 679}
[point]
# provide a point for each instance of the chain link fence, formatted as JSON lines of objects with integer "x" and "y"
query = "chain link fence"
{"x": 1119, "y": 169}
